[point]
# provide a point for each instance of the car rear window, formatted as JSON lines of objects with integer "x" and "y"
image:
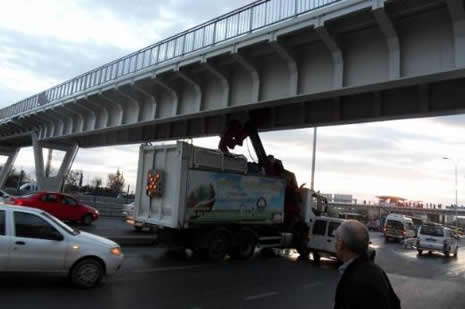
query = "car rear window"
{"x": 2, "y": 222}
{"x": 432, "y": 230}
{"x": 332, "y": 228}
{"x": 319, "y": 228}
{"x": 393, "y": 224}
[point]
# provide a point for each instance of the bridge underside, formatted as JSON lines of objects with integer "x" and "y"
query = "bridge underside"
{"x": 369, "y": 60}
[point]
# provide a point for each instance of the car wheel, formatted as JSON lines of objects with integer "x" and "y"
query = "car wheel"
{"x": 420, "y": 251}
{"x": 456, "y": 252}
{"x": 316, "y": 257}
{"x": 87, "y": 273}
{"x": 446, "y": 253}
{"x": 87, "y": 219}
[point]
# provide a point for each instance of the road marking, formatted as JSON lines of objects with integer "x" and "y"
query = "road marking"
{"x": 263, "y": 295}
{"x": 312, "y": 285}
{"x": 154, "y": 270}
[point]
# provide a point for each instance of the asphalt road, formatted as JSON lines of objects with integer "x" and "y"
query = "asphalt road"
{"x": 153, "y": 277}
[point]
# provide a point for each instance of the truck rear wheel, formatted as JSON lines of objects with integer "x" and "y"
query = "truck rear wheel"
{"x": 245, "y": 247}
{"x": 218, "y": 245}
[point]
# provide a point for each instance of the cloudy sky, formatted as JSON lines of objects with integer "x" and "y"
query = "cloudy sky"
{"x": 43, "y": 43}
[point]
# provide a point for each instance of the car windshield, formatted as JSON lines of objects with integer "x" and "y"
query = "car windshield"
{"x": 393, "y": 224}
{"x": 61, "y": 224}
{"x": 432, "y": 230}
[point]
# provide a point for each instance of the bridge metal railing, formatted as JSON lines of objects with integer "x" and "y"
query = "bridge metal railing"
{"x": 245, "y": 20}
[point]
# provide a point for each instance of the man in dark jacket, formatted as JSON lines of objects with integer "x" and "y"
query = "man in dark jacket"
{"x": 363, "y": 284}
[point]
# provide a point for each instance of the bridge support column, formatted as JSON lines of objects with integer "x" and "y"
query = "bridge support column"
{"x": 336, "y": 54}
{"x": 457, "y": 13}
{"x": 392, "y": 39}
{"x": 55, "y": 183}
{"x": 12, "y": 154}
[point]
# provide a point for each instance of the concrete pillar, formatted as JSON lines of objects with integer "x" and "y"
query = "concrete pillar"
{"x": 11, "y": 153}
{"x": 53, "y": 184}
{"x": 392, "y": 39}
{"x": 457, "y": 14}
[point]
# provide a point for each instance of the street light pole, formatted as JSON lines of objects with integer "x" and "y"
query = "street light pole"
{"x": 456, "y": 166}
{"x": 313, "y": 160}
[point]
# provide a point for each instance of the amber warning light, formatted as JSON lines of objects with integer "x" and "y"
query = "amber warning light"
{"x": 154, "y": 183}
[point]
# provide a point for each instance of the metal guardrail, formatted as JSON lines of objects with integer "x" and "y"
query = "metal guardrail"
{"x": 245, "y": 20}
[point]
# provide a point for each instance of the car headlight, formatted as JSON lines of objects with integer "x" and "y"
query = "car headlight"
{"x": 116, "y": 251}
{"x": 97, "y": 212}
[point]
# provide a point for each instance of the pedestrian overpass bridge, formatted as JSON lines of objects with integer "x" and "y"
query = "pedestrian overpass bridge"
{"x": 284, "y": 63}
{"x": 437, "y": 215}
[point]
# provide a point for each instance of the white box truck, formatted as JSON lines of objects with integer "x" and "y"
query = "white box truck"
{"x": 216, "y": 203}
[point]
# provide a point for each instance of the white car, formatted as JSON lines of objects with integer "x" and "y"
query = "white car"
{"x": 129, "y": 212}
{"x": 4, "y": 197}
{"x": 129, "y": 209}
{"x": 435, "y": 237}
{"x": 32, "y": 240}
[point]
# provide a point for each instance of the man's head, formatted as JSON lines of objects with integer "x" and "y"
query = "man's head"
{"x": 352, "y": 240}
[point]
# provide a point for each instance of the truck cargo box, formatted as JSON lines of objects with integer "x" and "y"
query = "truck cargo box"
{"x": 180, "y": 185}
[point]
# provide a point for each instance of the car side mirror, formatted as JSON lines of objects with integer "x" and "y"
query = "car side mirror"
{"x": 56, "y": 236}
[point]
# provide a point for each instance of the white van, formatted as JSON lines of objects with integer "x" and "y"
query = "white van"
{"x": 398, "y": 227}
{"x": 322, "y": 239}
{"x": 28, "y": 187}
{"x": 435, "y": 237}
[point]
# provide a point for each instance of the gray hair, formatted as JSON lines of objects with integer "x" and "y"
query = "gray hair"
{"x": 355, "y": 236}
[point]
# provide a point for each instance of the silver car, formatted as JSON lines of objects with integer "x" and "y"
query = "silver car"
{"x": 32, "y": 240}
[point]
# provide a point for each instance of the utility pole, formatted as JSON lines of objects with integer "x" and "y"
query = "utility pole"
{"x": 312, "y": 185}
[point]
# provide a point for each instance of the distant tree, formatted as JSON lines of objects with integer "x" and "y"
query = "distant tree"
{"x": 73, "y": 178}
{"x": 16, "y": 178}
{"x": 116, "y": 181}
{"x": 96, "y": 182}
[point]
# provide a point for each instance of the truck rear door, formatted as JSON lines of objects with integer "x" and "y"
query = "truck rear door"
{"x": 5, "y": 241}
{"x": 318, "y": 238}
{"x": 331, "y": 236}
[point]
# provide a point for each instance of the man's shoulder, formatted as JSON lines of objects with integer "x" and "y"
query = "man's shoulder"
{"x": 364, "y": 269}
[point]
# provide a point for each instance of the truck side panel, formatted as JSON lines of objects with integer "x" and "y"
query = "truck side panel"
{"x": 215, "y": 197}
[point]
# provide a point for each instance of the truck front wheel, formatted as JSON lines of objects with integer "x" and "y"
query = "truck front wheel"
{"x": 218, "y": 246}
{"x": 316, "y": 257}
{"x": 245, "y": 247}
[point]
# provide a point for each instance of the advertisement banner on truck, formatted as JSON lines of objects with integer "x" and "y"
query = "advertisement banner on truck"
{"x": 225, "y": 197}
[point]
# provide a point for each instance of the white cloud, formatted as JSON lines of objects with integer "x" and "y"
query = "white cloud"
{"x": 70, "y": 21}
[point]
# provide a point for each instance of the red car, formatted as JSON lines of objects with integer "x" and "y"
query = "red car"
{"x": 62, "y": 206}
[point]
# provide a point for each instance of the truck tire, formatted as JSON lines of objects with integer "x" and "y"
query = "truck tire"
{"x": 316, "y": 257}
{"x": 245, "y": 247}
{"x": 219, "y": 244}
{"x": 268, "y": 252}
{"x": 303, "y": 250}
